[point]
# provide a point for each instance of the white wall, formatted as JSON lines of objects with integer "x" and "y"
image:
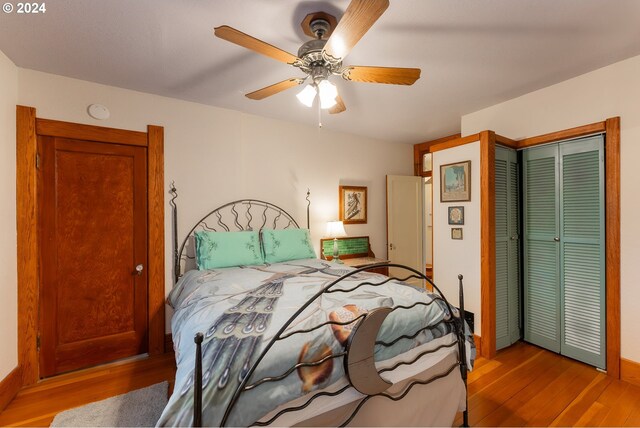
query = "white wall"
{"x": 452, "y": 257}
{"x": 8, "y": 289}
{"x": 610, "y": 91}
{"x": 217, "y": 155}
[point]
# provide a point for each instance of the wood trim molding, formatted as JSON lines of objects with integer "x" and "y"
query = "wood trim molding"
{"x": 27, "y": 129}
{"x": 55, "y": 128}
{"x": 421, "y": 148}
{"x": 9, "y": 387}
{"x": 487, "y": 243}
{"x": 612, "y": 243}
{"x": 417, "y": 159}
{"x": 424, "y": 147}
{"x": 454, "y": 143}
{"x": 155, "y": 248}
{"x": 506, "y": 141}
{"x": 27, "y": 248}
{"x": 478, "y": 341}
{"x": 576, "y": 132}
{"x": 630, "y": 371}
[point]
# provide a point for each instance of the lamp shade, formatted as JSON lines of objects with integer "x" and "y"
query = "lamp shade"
{"x": 328, "y": 93}
{"x": 307, "y": 95}
{"x": 335, "y": 229}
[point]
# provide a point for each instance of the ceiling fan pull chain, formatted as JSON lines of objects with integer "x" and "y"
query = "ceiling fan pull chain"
{"x": 319, "y": 114}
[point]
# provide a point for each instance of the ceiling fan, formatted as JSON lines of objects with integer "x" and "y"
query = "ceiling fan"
{"x": 322, "y": 57}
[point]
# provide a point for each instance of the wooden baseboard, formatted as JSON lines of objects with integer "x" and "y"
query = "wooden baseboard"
{"x": 9, "y": 387}
{"x": 630, "y": 371}
{"x": 478, "y": 341}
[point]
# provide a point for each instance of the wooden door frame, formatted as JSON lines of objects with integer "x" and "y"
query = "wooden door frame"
{"x": 28, "y": 128}
{"x": 488, "y": 140}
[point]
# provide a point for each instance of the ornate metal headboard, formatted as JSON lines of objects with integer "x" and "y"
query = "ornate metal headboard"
{"x": 243, "y": 214}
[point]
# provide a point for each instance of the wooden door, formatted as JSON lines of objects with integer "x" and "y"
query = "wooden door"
{"x": 405, "y": 223}
{"x": 92, "y": 216}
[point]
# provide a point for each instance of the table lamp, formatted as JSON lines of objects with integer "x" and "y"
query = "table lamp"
{"x": 335, "y": 230}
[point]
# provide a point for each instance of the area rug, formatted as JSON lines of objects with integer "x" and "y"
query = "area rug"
{"x": 139, "y": 408}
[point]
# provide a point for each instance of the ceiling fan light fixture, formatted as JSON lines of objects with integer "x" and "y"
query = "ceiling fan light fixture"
{"x": 321, "y": 57}
{"x": 307, "y": 95}
{"x": 328, "y": 93}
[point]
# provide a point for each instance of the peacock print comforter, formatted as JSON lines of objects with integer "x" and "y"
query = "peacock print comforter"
{"x": 240, "y": 309}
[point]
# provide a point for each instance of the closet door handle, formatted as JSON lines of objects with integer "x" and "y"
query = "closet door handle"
{"x": 556, "y": 239}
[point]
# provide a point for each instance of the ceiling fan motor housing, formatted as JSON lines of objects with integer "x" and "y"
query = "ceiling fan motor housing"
{"x": 311, "y": 57}
{"x": 311, "y": 47}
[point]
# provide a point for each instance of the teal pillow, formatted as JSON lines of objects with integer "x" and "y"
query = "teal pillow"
{"x": 225, "y": 249}
{"x": 287, "y": 244}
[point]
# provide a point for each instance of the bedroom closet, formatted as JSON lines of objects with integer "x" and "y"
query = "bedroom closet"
{"x": 564, "y": 248}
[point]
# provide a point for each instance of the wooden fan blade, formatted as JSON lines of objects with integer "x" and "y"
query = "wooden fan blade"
{"x": 356, "y": 21}
{"x": 274, "y": 89}
{"x": 246, "y": 41}
{"x": 339, "y": 107}
{"x": 390, "y": 75}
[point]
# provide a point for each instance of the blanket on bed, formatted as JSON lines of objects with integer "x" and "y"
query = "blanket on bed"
{"x": 239, "y": 310}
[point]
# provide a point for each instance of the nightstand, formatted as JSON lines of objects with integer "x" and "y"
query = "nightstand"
{"x": 355, "y": 251}
{"x": 368, "y": 261}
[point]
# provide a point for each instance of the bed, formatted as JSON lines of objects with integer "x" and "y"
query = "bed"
{"x": 296, "y": 340}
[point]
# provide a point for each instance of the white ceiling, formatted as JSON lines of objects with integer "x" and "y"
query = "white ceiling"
{"x": 473, "y": 53}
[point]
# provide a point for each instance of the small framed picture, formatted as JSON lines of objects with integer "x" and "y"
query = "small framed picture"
{"x": 455, "y": 182}
{"x": 353, "y": 204}
{"x": 456, "y": 233}
{"x": 456, "y": 215}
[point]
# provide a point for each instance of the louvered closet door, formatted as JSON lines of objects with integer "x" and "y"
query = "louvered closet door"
{"x": 582, "y": 257}
{"x": 541, "y": 247}
{"x": 507, "y": 248}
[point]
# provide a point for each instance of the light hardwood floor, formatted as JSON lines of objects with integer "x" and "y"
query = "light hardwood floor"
{"x": 37, "y": 405}
{"x": 527, "y": 386}
{"x": 523, "y": 386}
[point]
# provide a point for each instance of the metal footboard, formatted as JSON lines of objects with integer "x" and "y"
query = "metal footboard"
{"x": 358, "y": 353}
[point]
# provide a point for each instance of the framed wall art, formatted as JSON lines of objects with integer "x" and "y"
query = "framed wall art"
{"x": 456, "y": 215}
{"x": 353, "y": 204}
{"x": 456, "y": 233}
{"x": 455, "y": 182}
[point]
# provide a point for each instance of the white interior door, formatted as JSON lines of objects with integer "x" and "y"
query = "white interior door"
{"x": 428, "y": 221}
{"x": 405, "y": 224}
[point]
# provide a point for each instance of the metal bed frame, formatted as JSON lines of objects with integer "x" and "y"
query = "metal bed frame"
{"x": 358, "y": 353}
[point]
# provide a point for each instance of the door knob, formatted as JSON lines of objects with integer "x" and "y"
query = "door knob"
{"x": 556, "y": 239}
{"x": 139, "y": 269}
